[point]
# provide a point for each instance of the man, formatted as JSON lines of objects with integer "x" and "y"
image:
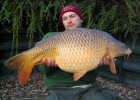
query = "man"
{"x": 60, "y": 84}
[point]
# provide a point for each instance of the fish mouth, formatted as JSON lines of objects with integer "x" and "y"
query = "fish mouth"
{"x": 128, "y": 53}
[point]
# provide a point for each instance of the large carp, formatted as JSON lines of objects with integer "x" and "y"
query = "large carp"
{"x": 76, "y": 51}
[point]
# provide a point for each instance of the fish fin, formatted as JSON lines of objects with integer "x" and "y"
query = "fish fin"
{"x": 15, "y": 62}
{"x": 112, "y": 66}
{"x": 111, "y": 62}
{"x": 24, "y": 73}
{"x": 24, "y": 63}
{"x": 78, "y": 75}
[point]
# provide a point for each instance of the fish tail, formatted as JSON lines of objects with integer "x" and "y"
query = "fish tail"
{"x": 24, "y": 73}
{"x": 15, "y": 62}
{"x": 24, "y": 62}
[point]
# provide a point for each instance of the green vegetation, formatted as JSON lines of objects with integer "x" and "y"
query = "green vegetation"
{"x": 114, "y": 16}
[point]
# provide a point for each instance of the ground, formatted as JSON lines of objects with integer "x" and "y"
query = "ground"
{"x": 10, "y": 89}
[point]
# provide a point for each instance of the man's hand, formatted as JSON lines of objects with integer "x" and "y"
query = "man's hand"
{"x": 104, "y": 62}
{"x": 49, "y": 63}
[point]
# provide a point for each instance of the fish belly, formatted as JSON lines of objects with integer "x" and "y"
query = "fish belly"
{"x": 78, "y": 59}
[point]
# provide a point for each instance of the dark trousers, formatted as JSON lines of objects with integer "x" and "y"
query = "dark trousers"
{"x": 93, "y": 92}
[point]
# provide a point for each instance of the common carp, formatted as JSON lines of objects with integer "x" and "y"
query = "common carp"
{"x": 76, "y": 51}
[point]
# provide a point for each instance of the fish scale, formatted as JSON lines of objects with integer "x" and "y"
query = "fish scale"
{"x": 80, "y": 44}
{"x": 76, "y": 51}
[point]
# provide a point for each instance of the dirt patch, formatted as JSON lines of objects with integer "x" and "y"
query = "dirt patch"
{"x": 10, "y": 89}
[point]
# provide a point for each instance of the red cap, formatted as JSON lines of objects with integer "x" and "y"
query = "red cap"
{"x": 71, "y": 8}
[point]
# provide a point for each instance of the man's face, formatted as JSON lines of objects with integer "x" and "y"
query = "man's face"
{"x": 71, "y": 20}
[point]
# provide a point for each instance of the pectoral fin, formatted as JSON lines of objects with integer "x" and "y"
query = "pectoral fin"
{"x": 111, "y": 62}
{"x": 78, "y": 75}
{"x": 112, "y": 65}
